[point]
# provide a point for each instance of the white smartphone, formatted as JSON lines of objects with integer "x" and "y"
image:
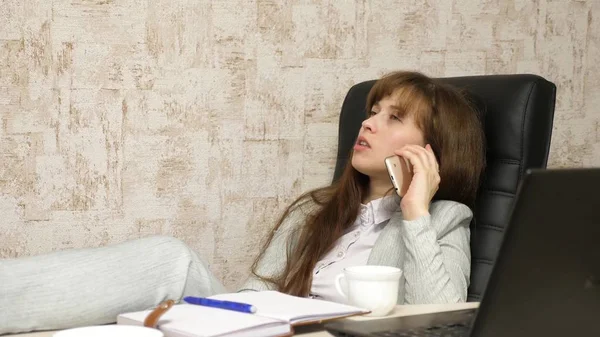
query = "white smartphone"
{"x": 400, "y": 173}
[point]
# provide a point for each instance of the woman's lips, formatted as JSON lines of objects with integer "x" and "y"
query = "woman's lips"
{"x": 361, "y": 144}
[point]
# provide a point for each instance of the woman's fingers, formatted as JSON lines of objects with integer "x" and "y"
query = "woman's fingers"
{"x": 420, "y": 157}
{"x": 432, "y": 158}
{"x": 413, "y": 157}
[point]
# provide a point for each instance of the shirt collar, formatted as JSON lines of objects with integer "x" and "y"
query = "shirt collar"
{"x": 378, "y": 210}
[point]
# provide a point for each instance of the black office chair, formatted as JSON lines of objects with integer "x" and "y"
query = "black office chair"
{"x": 518, "y": 114}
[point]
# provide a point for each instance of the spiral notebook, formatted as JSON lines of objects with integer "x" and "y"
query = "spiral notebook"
{"x": 276, "y": 315}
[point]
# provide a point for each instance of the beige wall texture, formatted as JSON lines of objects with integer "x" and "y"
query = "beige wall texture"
{"x": 203, "y": 119}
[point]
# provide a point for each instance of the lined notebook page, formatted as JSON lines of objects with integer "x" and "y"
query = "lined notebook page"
{"x": 289, "y": 308}
{"x": 186, "y": 320}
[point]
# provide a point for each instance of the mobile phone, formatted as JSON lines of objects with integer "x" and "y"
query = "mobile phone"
{"x": 400, "y": 173}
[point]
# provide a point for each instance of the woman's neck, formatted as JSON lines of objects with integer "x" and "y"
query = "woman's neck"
{"x": 378, "y": 187}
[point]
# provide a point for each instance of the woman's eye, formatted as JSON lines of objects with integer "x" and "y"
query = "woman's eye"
{"x": 394, "y": 117}
{"x": 372, "y": 113}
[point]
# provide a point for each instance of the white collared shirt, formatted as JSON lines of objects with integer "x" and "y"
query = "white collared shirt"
{"x": 353, "y": 248}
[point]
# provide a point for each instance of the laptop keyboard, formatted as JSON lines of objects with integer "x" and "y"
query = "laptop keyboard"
{"x": 451, "y": 330}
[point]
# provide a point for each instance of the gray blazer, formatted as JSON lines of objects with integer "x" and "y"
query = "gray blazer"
{"x": 433, "y": 252}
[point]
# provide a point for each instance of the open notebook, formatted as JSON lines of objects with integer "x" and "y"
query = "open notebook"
{"x": 276, "y": 315}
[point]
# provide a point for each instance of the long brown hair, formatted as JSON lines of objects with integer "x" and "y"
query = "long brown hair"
{"x": 449, "y": 124}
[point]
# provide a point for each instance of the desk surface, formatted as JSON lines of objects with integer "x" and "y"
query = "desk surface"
{"x": 400, "y": 310}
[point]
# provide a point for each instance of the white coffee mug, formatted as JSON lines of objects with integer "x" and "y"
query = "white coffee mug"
{"x": 110, "y": 331}
{"x": 374, "y": 288}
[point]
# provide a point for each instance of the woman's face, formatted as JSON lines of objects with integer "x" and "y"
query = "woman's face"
{"x": 387, "y": 129}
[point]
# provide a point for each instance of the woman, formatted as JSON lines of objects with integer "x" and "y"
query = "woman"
{"x": 356, "y": 221}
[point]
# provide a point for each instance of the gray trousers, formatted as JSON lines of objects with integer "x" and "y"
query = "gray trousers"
{"x": 92, "y": 286}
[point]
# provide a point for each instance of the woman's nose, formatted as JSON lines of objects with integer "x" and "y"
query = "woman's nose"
{"x": 369, "y": 124}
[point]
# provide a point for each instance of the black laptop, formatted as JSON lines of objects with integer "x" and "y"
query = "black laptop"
{"x": 546, "y": 280}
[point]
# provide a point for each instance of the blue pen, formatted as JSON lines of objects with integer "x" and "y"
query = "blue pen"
{"x": 227, "y": 305}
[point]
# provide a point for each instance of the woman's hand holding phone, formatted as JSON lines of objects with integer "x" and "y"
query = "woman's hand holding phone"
{"x": 424, "y": 181}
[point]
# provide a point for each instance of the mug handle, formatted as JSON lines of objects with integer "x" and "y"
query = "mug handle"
{"x": 338, "y": 284}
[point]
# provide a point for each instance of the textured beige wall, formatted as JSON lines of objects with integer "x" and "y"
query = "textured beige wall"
{"x": 202, "y": 119}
